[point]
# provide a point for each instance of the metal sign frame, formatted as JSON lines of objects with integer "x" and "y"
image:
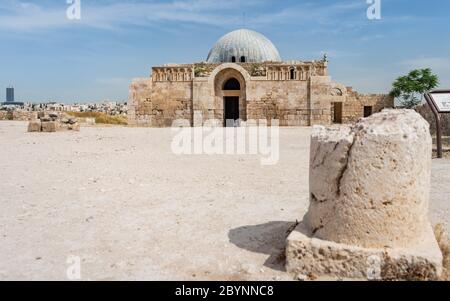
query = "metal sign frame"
{"x": 436, "y": 111}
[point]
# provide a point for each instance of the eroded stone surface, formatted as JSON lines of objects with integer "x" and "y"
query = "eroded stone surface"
{"x": 53, "y": 122}
{"x": 49, "y": 127}
{"x": 369, "y": 189}
{"x": 34, "y": 126}
{"x": 329, "y": 154}
{"x": 312, "y": 256}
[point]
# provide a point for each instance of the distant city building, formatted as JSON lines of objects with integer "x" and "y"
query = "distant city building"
{"x": 10, "y": 98}
{"x": 10, "y": 94}
{"x": 107, "y": 107}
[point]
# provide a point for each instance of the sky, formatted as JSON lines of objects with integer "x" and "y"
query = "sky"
{"x": 49, "y": 57}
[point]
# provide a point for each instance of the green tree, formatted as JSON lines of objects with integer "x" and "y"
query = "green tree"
{"x": 409, "y": 89}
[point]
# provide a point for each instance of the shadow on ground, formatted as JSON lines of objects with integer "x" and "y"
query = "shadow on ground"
{"x": 268, "y": 238}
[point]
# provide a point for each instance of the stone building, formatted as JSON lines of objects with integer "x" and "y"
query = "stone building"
{"x": 244, "y": 78}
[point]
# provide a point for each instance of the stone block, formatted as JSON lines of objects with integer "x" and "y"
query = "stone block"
{"x": 34, "y": 126}
{"x": 369, "y": 195}
{"x": 50, "y": 127}
{"x": 307, "y": 255}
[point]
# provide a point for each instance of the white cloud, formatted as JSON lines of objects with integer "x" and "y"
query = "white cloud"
{"x": 439, "y": 65}
{"x": 317, "y": 12}
{"x": 371, "y": 37}
{"x": 28, "y": 16}
{"x": 435, "y": 63}
{"x": 23, "y": 16}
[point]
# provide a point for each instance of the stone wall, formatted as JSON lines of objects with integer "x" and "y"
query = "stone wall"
{"x": 428, "y": 115}
{"x": 139, "y": 104}
{"x": 286, "y": 101}
{"x": 18, "y": 115}
{"x": 158, "y": 103}
{"x": 5, "y": 115}
{"x": 295, "y": 93}
{"x": 353, "y": 107}
{"x": 170, "y": 101}
{"x": 24, "y": 115}
{"x": 320, "y": 100}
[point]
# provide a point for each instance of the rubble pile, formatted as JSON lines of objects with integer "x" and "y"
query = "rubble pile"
{"x": 53, "y": 122}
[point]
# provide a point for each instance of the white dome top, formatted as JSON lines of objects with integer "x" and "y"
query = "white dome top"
{"x": 243, "y": 43}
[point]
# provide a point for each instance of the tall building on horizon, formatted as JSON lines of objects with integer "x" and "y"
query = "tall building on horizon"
{"x": 10, "y": 94}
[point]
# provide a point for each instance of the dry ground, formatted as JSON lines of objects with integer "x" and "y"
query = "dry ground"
{"x": 130, "y": 209}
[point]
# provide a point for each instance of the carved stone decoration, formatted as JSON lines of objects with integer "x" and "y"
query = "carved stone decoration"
{"x": 203, "y": 69}
{"x": 258, "y": 70}
{"x": 336, "y": 92}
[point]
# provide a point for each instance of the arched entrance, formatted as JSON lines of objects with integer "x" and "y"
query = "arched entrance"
{"x": 231, "y": 103}
{"x": 230, "y": 95}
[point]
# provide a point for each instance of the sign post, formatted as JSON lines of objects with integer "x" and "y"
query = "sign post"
{"x": 439, "y": 102}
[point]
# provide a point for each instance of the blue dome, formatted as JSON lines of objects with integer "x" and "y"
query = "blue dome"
{"x": 243, "y": 45}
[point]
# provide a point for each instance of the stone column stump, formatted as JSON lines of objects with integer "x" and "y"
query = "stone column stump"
{"x": 369, "y": 194}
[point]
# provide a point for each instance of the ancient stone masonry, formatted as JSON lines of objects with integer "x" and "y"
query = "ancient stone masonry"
{"x": 369, "y": 195}
{"x": 306, "y": 99}
{"x": 172, "y": 73}
{"x": 353, "y": 108}
{"x": 17, "y": 115}
{"x": 298, "y": 93}
{"x": 426, "y": 113}
{"x": 53, "y": 122}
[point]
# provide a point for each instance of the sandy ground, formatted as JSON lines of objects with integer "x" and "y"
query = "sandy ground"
{"x": 130, "y": 209}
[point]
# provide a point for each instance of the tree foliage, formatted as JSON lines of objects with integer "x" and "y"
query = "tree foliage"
{"x": 409, "y": 89}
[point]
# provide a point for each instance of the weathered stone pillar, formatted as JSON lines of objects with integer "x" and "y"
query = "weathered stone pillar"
{"x": 369, "y": 193}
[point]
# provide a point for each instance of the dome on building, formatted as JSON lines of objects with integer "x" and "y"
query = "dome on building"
{"x": 243, "y": 45}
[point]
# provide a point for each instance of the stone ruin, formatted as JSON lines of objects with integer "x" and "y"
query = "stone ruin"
{"x": 53, "y": 122}
{"x": 19, "y": 115}
{"x": 369, "y": 195}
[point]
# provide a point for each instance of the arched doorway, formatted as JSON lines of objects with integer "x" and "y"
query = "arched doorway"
{"x": 230, "y": 94}
{"x": 232, "y": 91}
{"x": 232, "y": 85}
